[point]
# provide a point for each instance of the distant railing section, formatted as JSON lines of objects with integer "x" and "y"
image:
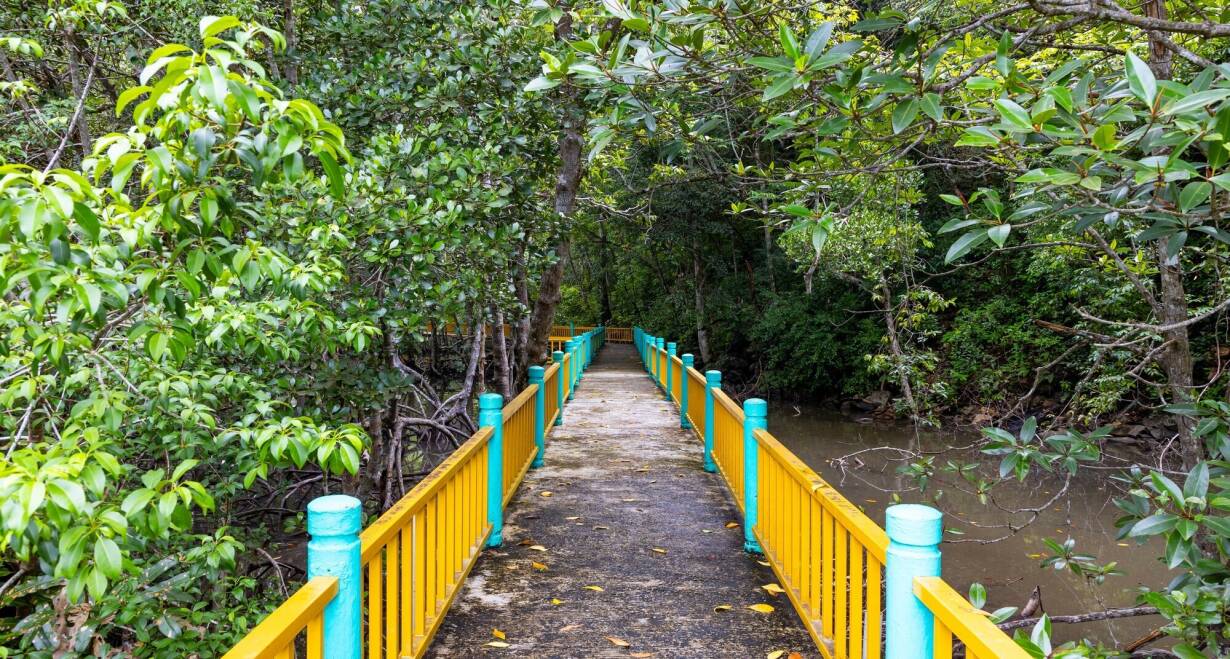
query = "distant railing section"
{"x": 613, "y": 334}
{"x": 861, "y": 591}
{"x": 386, "y": 591}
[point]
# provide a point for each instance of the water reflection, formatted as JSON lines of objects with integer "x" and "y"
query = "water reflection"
{"x": 1010, "y": 568}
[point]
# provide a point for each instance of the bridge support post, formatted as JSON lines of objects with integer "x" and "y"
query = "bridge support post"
{"x": 540, "y": 412}
{"x": 688, "y": 360}
{"x": 713, "y": 380}
{"x": 583, "y": 353}
{"x": 334, "y": 522}
{"x": 659, "y": 361}
{"x": 570, "y": 347}
{"x": 491, "y": 415}
{"x": 670, "y": 368}
{"x": 914, "y": 533}
{"x": 755, "y": 417}
{"x": 650, "y": 366}
{"x": 558, "y": 358}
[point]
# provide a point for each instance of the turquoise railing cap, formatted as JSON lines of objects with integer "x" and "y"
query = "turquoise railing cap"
{"x": 914, "y": 524}
{"x": 490, "y": 402}
{"x": 334, "y": 514}
{"x": 755, "y": 407}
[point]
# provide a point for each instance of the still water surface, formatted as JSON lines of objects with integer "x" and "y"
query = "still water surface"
{"x": 1010, "y": 569}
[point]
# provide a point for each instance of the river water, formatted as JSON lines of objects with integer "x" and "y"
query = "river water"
{"x": 1010, "y": 569}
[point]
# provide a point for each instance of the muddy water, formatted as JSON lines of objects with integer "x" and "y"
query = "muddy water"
{"x": 1010, "y": 569}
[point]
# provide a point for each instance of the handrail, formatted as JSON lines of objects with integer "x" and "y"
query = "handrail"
{"x": 275, "y": 635}
{"x": 413, "y": 559}
{"x": 956, "y": 617}
{"x": 829, "y": 556}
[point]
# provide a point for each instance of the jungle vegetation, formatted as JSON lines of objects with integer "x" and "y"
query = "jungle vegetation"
{"x": 256, "y": 251}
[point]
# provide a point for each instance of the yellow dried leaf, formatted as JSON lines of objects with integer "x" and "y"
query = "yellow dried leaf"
{"x": 773, "y": 589}
{"x": 568, "y": 628}
{"x": 659, "y": 550}
{"x": 764, "y": 563}
{"x": 538, "y": 548}
{"x": 794, "y": 655}
{"x": 596, "y": 589}
{"x": 499, "y": 634}
{"x": 555, "y": 601}
{"x": 761, "y": 608}
{"x": 545, "y": 493}
{"x": 706, "y": 531}
{"x": 721, "y": 607}
{"x": 776, "y": 654}
{"x": 573, "y": 518}
{"x": 541, "y": 567}
{"x": 640, "y": 655}
{"x": 627, "y": 500}
{"x": 732, "y": 525}
{"x": 497, "y": 644}
{"x": 617, "y": 641}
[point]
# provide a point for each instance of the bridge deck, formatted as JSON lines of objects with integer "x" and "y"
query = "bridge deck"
{"x": 621, "y": 480}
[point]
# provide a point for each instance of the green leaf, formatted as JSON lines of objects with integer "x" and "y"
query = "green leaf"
{"x": 87, "y": 220}
{"x": 904, "y": 115}
{"x": 541, "y": 83}
{"x": 1014, "y": 114}
{"x": 1197, "y": 101}
{"x": 1153, "y": 525}
{"x": 978, "y": 136}
{"x": 932, "y": 107}
{"x": 107, "y": 557}
{"x": 781, "y": 84}
{"x": 211, "y": 25}
{"x": 337, "y": 183}
{"x": 999, "y": 233}
{"x": 1104, "y": 137}
{"x": 779, "y": 64}
{"x": 790, "y": 45}
{"x": 964, "y": 244}
{"x": 1141, "y": 81}
{"x": 1194, "y": 194}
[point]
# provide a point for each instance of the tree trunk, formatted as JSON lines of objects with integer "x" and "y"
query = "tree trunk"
{"x": 698, "y": 277}
{"x": 1176, "y": 360}
{"x": 768, "y": 256}
{"x": 604, "y": 282}
{"x": 292, "y": 41}
{"x": 894, "y": 344}
{"x": 567, "y": 182}
{"x": 74, "y": 72}
{"x": 500, "y": 353}
{"x": 521, "y": 325}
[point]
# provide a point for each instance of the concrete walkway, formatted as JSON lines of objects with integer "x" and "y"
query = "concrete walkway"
{"x": 637, "y": 545}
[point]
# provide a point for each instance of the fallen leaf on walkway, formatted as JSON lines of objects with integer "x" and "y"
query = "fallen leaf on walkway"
{"x": 761, "y": 608}
{"x": 545, "y": 493}
{"x": 659, "y": 550}
{"x": 640, "y": 655}
{"x": 499, "y": 634}
{"x": 573, "y": 518}
{"x": 497, "y": 644}
{"x": 732, "y": 525}
{"x": 871, "y": 501}
{"x": 617, "y": 641}
{"x": 538, "y": 566}
{"x": 602, "y": 528}
{"x": 555, "y": 601}
{"x": 794, "y": 655}
{"x": 627, "y": 500}
{"x": 538, "y": 548}
{"x": 721, "y": 607}
{"x": 776, "y": 654}
{"x": 706, "y": 531}
{"x": 596, "y": 589}
{"x": 526, "y": 542}
{"x": 773, "y": 589}
{"x": 568, "y": 628}
{"x": 764, "y": 563}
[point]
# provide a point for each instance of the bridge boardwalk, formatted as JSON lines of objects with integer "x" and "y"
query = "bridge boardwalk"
{"x": 621, "y": 480}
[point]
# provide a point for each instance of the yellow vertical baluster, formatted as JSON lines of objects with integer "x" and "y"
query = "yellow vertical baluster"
{"x": 875, "y": 615}
{"x": 943, "y": 641}
{"x": 316, "y": 638}
{"x": 392, "y": 651}
{"x": 287, "y": 652}
{"x": 826, "y": 572}
{"x": 440, "y": 551}
{"x": 418, "y": 582}
{"x": 407, "y": 585}
{"x": 375, "y": 606}
{"x": 813, "y": 556}
{"x": 432, "y": 521}
{"x": 856, "y": 598}
{"x": 842, "y": 585}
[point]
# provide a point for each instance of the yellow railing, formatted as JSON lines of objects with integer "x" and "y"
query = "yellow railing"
{"x": 300, "y": 614}
{"x": 827, "y": 554}
{"x": 957, "y": 618}
{"x": 414, "y": 558}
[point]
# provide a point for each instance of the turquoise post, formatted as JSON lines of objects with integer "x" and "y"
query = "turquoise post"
{"x": 540, "y": 413}
{"x": 581, "y": 350}
{"x": 657, "y": 359}
{"x": 914, "y": 533}
{"x": 650, "y": 364}
{"x": 688, "y": 360}
{"x": 670, "y": 368}
{"x": 491, "y": 415}
{"x": 755, "y": 413}
{"x": 570, "y": 347}
{"x": 713, "y": 380}
{"x": 558, "y": 358}
{"x": 334, "y": 522}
